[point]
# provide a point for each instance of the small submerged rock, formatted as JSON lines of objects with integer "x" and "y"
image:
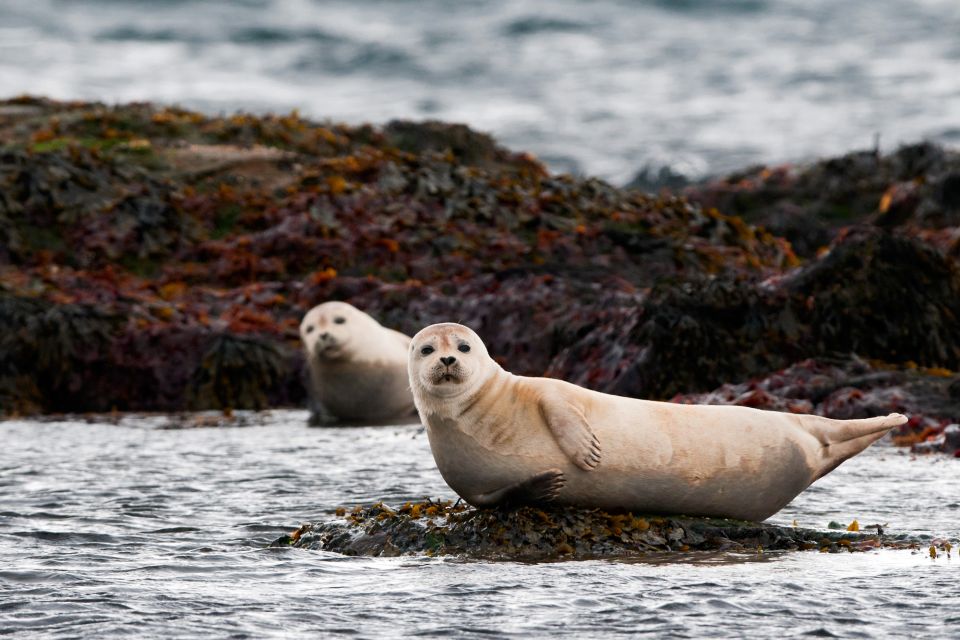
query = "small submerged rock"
{"x": 567, "y": 533}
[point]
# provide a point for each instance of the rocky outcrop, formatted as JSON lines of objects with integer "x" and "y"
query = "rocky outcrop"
{"x": 531, "y": 534}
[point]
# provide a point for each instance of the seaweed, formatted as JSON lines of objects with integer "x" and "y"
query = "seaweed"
{"x": 49, "y": 351}
{"x": 236, "y": 372}
{"x": 532, "y": 534}
{"x": 856, "y": 299}
{"x": 154, "y": 258}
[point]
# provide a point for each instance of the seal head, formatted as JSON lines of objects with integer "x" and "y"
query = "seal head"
{"x": 328, "y": 331}
{"x": 448, "y": 364}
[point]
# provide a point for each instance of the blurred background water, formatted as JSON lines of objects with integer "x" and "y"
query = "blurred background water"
{"x": 604, "y": 88}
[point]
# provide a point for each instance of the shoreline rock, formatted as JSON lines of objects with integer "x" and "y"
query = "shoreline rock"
{"x": 531, "y": 534}
{"x": 156, "y": 259}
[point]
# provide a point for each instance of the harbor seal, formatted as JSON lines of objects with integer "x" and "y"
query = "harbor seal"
{"x": 501, "y": 438}
{"x": 358, "y": 368}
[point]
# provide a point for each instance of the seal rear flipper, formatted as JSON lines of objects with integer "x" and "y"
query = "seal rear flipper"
{"x": 844, "y": 439}
{"x": 832, "y": 432}
{"x": 572, "y": 432}
{"x": 541, "y": 488}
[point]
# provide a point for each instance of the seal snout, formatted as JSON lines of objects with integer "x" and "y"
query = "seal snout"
{"x": 444, "y": 359}
{"x": 326, "y": 344}
{"x": 445, "y": 373}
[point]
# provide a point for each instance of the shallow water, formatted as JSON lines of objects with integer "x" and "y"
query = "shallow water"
{"x": 603, "y": 88}
{"x": 132, "y": 529}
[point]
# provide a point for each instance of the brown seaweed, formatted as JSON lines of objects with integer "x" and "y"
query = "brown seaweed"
{"x": 153, "y": 258}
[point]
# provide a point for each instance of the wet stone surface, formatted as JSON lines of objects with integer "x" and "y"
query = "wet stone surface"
{"x": 533, "y": 534}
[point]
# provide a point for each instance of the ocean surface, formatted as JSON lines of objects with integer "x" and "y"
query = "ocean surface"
{"x": 604, "y": 88}
{"x": 126, "y": 528}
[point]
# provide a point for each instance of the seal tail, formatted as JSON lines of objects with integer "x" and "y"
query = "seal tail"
{"x": 843, "y": 439}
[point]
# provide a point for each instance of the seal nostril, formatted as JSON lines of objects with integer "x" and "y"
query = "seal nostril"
{"x": 325, "y": 335}
{"x": 448, "y": 360}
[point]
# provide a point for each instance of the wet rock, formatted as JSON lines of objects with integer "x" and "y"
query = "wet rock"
{"x": 533, "y": 534}
{"x": 951, "y": 438}
{"x": 467, "y": 146}
{"x": 47, "y": 351}
{"x": 200, "y": 242}
{"x": 237, "y": 372}
{"x": 948, "y": 192}
{"x": 654, "y": 180}
{"x": 910, "y": 188}
{"x": 79, "y": 208}
{"x": 858, "y": 298}
{"x": 806, "y": 233}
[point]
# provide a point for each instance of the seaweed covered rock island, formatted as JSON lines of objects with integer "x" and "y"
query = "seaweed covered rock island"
{"x": 153, "y": 258}
{"x": 531, "y": 534}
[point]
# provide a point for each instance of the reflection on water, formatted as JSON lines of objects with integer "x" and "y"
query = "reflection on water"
{"x": 132, "y": 529}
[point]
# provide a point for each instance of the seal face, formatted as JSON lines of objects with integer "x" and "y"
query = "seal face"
{"x": 357, "y": 367}
{"x": 498, "y": 438}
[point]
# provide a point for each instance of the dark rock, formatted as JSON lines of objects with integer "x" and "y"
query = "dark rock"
{"x": 467, "y": 146}
{"x": 237, "y": 372}
{"x": 157, "y": 259}
{"x": 858, "y": 299}
{"x": 948, "y": 193}
{"x": 653, "y": 180}
{"x": 913, "y": 187}
{"x": 531, "y": 534}
{"x": 951, "y": 438}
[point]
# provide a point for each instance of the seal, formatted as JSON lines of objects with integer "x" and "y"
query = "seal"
{"x": 358, "y": 368}
{"x": 498, "y": 438}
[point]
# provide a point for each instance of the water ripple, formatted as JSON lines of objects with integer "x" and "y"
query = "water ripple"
{"x": 605, "y": 88}
{"x": 127, "y": 530}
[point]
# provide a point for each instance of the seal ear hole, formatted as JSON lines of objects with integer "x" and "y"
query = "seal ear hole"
{"x": 339, "y": 320}
{"x": 463, "y": 348}
{"x": 427, "y": 350}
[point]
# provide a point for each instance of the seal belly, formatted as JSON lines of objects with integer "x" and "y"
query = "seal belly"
{"x": 358, "y": 391}
{"x": 471, "y": 467}
{"x": 694, "y": 462}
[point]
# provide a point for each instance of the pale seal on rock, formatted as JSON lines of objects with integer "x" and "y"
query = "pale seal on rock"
{"x": 358, "y": 368}
{"x": 501, "y": 438}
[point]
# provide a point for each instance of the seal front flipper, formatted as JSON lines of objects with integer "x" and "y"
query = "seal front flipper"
{"x": 572, "y": 431}
{"x": 543, "y": 487}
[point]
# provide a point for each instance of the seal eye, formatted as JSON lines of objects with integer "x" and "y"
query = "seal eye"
{"x": 427, "y": 350}
{"x": 339, "y": 320}
{"x": 310, "y": 329}
{"x": 464, "y": 348}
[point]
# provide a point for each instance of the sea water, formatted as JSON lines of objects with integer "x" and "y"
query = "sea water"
{"x": 122, "y": 527}
{"x": 603, "y": 88}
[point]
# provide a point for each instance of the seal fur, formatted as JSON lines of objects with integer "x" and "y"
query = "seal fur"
{"x": 357, "y": 367}
{"x": 500, "y": 438}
